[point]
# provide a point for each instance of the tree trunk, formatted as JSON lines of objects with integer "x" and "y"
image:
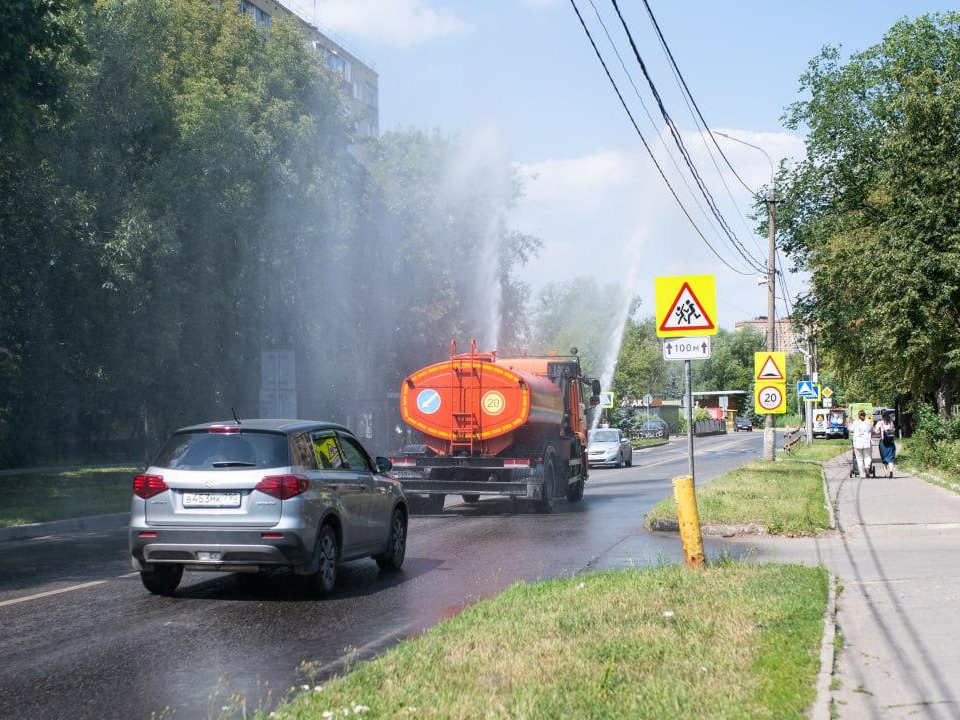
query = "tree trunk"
{"x": 944, "y": 394}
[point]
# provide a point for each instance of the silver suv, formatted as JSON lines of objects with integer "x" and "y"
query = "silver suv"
{"x": 244, "y": 497}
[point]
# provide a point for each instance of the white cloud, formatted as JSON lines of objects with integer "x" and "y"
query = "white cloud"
{"x": 400, "y": 23}
{"x": 609, "y": 214}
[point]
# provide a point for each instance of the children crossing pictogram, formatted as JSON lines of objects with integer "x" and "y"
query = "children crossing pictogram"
{"x": 687, "y": 312}
{"x": 686, "y": 305}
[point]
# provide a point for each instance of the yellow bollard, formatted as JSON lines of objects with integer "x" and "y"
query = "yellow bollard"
{"x": 689, "y": 521}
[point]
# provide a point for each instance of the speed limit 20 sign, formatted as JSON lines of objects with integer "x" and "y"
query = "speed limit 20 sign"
{"x": 769, "y": 398}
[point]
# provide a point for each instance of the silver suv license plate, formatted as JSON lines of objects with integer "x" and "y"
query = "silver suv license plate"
{"x": 212, "y": 500}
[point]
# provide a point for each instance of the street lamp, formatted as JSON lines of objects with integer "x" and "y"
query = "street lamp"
{"x": 769, "y": 440}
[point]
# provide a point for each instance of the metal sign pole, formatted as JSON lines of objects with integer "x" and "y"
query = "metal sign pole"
{"x": 689, "y": 384}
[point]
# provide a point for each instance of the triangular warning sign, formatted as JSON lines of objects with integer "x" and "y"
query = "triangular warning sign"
{"x": 686, "y": 313}
{"x": 770, "y": 371}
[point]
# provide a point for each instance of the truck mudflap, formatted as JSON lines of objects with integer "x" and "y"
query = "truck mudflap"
{"x": 467, "y": 475}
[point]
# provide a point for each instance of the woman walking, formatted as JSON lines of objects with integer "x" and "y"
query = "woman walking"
{"x": 886, "y": 429}
{"x": 862, "y": 431}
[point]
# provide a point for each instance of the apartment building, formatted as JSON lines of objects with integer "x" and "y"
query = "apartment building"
{"x": 786, "y": 335}
{"x": 358, "y": 80}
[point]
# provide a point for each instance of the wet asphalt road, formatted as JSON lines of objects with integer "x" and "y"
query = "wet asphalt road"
{"x": 110, "y": 650}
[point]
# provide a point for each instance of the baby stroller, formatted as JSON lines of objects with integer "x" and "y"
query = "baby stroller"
{"x": 854, "y": 470}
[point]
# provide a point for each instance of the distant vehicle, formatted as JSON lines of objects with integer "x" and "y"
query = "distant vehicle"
{"x": 654, "y": 428}
{"x": 610, "y": 447}
{"x": 244, "y": 497}
{"x": 821, "y": 420}
{"x": 837, "y": 424}
{"x": 741, "y": 423}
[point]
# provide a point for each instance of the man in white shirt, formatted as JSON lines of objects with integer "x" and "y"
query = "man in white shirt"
{"x": 862, "y": 431}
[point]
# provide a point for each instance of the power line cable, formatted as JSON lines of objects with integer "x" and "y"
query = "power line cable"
{"x": 646, "y": 145}
{"x": 653, "y": 124}
{"x": 685, "y": 153}
{"x": 683, "y": 81}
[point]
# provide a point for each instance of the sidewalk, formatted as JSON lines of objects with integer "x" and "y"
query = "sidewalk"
{"x": 897, "y": 554}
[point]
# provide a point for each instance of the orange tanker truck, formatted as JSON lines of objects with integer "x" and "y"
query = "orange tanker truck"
{"x": 513, "y": 427}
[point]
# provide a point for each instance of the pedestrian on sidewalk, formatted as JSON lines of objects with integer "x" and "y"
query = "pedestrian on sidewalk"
{"x": 886, "y": 429}
{"x": 862, "y": 431}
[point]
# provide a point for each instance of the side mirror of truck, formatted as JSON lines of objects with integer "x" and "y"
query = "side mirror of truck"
{"x": 384, "y": 465}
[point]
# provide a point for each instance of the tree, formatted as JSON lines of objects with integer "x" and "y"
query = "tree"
{"x": 730, "y": 366}
{"x": 641, "y": 368}
{"x": 873, "y": 212}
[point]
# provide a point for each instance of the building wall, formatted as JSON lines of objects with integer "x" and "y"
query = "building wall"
{"x": 359, "y": 82}
{"x": 787, "y": 337}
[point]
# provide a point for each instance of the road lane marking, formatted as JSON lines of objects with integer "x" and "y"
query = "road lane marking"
{"x": 48, "y": 593}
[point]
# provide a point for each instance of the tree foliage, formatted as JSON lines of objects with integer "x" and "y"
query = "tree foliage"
{"x": 873, "y": 212}
{"x": 198, "y": 195}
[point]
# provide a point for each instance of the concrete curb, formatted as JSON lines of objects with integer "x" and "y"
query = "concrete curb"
{"x": 712, "y": 529}
{"x": 821, "y": 705}
{"x": 650, "y": 447}
{"x": 831, "y": 511}
{"x": 55, "y": 527}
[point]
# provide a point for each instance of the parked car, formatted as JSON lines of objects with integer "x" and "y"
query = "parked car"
{"x": 245, "y": 497}
{"x": 610, "y": 447}
{"x": 742, "y": 423}
{"x": 654, "y": 428}
{"x": 837, "y": 425}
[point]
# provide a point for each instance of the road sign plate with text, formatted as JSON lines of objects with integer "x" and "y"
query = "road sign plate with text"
{"x": 686, "y": 305}
{"x": 693, "y": 348}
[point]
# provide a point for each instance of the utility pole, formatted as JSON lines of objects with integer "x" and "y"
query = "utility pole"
{"x": 808, "y": 405}
{"x": 769, "y": 437}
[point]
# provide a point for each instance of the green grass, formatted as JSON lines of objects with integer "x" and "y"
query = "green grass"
{"x": 785, "y": 498}
{"x": 638, "y": 443}
{"x": 942, "y": 476}
{"x": 31, "y": 498}
{"x": 732, "y": 641}
{"x": 819, "y": 451}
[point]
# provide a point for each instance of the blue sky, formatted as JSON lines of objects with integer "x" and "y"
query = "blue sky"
{"x": 520, "y": 76}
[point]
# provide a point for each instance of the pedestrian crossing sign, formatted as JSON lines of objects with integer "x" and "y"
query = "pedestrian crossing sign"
{"x": 686, "y": 305}
{"x": 770, "y": 366}
{"x": 808, "y": 390}
{"x": 606, "y": 400}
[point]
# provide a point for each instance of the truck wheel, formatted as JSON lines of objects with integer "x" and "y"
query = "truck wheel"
{"x": 434, "y": 503}
{"x": 546, "y": 494}
{"x": 575, "y": 490}
{"x": 471, "y": 497}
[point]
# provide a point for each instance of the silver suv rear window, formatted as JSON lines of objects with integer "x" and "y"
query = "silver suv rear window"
{"x": 202, "y": 450}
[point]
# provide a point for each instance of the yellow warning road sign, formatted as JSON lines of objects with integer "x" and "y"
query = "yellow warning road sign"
{"x": 769, "y": 398}
{"x": 770, "y": 366}
{"x": 686, "y": 305}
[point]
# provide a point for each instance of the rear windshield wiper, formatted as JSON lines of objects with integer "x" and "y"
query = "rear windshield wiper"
{"x": 233, "y": 463}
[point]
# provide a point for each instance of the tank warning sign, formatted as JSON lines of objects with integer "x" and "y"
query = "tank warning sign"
{"x": 428, "y": 401}
{"x": 686, "y": 305}
{"x": 493, "y": 402}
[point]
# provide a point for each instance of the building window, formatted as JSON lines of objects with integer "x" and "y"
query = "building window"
{"x": 260, "y": 17}
{"x": 368, "y": 94}
{"x": 339, "y": 65}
